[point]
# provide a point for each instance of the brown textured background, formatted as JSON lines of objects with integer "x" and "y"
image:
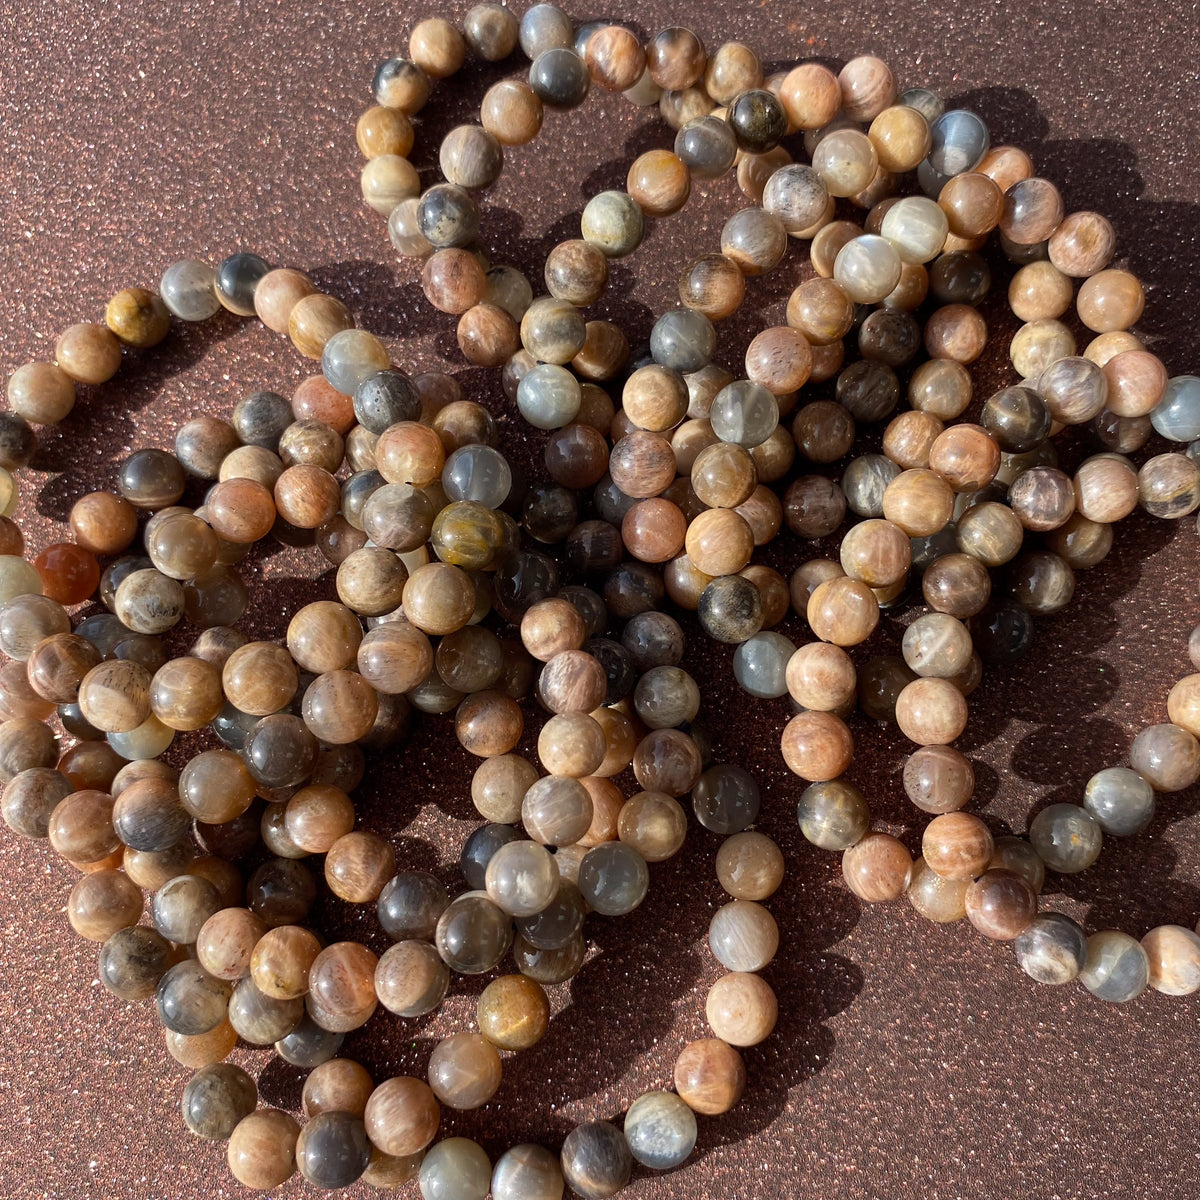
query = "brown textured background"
{"x": 909, "y": 1060}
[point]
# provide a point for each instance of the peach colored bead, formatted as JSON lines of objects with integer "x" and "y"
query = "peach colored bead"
{"x": 88, "y": 353}
{"x": 1110, "y": 299}
{"x": 1006, "y": 165}
{"x": 780, "y": 359}
{"x": 868, "y": 87}
{"x": 277, "y": 293}
{"x": 1039, "y": 290}
{"x": 931, "y": 712}
{"x": 1136, "y": 379}
{"x": 811, "y": 95}
{"x": 741, "y": 1008}
{"x": 955, "y": 331}
{"x": 1083, "y": 244}
{"x": 1183, "y": 704}
{"x": 901, "y": 138}
{"x": 966, "y": 456}
{"x": 957, "y": 845}
{"x": 877, "y": 868}
{"x": 817, "y": 746}
{"x": 920, "y": 502}
{"x": 1106, "y": 489}
{"x": 973, "y": 204}
{"x": 719, "y": 542}
{"x": 909, "y": 438}
{"x": 842, "y": 611}
{"x": 821, "y": 677}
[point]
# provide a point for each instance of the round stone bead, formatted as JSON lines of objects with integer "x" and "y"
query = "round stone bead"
{"x": 613, "y": 879}
{"x": 527, "y": 1172}
{"x": 1166, "y": 756}
{"x": 760, "y": 664}
{"x": 1053, "y": 949}
{"x": 187, "y": 289}
{"x": 1177, "y": 415}
{"x": 1173, "y": 953}
{"x": 352, "y": 356}
{"x": 1117, "y": 967}
{"x": 549, "y": 396}
{"x": 613, "y": 221}
{"x": 833, "y": 815}
{"x": 559, "y": 78}
{"x": 661, "y": 1130}
{"x": 1121, "y": 801}
{"x": 959, "y": 140}
{"x": 1068, "y": 838}
{"x": 455, "y": 1169}
{"x": 683, "y": 340}
{"x": 216, "y": 1098}
{"x": 726, "y": 799}
{"x": 868, "y": 268}
{"x": 596, "y": 1160}
{"x": 332, "y": 1150}
{"x": 1000, "y": 904}
{"x": 743, "y": 936}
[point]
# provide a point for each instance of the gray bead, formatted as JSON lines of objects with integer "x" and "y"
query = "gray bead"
{"x": 236, "y": 279}
{"x": 560, "y": 78}
{"x": 1117, "y": 967}
{"x": 351, "y": 356}
{"x": 595, "y": 1159}
{"x": 190, "y": 1000}
{"x": 1121, "y": 801}
{"x": 959, "y": 142}
{"x": 744, "y": 413}
{"x": 760, "y": 664}
{"x": 613, "y": 221}
{"x": 1067, "y": 837}
{"x": 796, "y": 195}
{"x": 545, "y": 27}
{"x": 683, "y": 340}
{"x": 309, "y": 1045}
{"x": 864, "y": 481}
{"x": 928, "y": 104}
{"x": 521, "y": 878}
{"x": 187, "y": 290}
{"x": 1052, "y": 950}
{"x": 726, "y": 799}
{"x": 447, "y": 216}
{"x": 706, "y": 146}
{"x": 549, "y": 396}
{"x": 660, "y": 1130}
{"x": 833, "y": 815}
{"x": 613, "y": 879}
{"x": 666, "y": 697}
{"x": 1177, "y": 415}
{"x": 527, "y": 1172}
{"x": 455, "y": 1168}
{"x": 478, "y": 473}
{"x": 216, "y": 1098}
{"x": 473, "y": 935}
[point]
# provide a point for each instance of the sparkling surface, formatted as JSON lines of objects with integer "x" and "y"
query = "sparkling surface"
{"x": 909, "y": 1059}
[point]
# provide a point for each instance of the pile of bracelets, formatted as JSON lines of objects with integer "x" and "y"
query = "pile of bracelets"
{"x": 463, "y": 588}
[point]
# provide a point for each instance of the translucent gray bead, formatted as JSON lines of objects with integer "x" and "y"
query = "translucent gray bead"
{"x": 190, "y": 1000}
{"x": 473, "y": 935}
{"x": 744, "y": 413}
{"x": 386, "y": 398}
{"x": 545, "y": 27}
{"x": 613, "y": 222}
{"x": 236, "y": 280}
{"x": 527, "y": 1172}
{"x": 521, "y": 878}
{"x": 583, "y": 35}
{"x": 684, "y": 340}
{"x": 455, "y": 1169}
{"x": 760, "y": 664}
{"x": 1121, "y": 801}
{"x": 549, "y": 396}
{"x": 959, "y": 140}
{"x": 1052, "y": 950}
{"x": 404, "y": 230}
{"x": 478, "y": 473}
{"x": 559, "y": 78}
{"x": 1177, "y": 416}
{"x": 595, "y": 1159}
{"x": 1067, "y": 837}
{"x": 833, "y": 815}
{"x": 351, "y": 356}
{"x": 796, "y": 195}
{"x": 864, "y": 481}
{"x": 216, "y": 1098}
{"x": 187, "y": 290}
{"x": 666, "y": 697}
{"x": 555, "y": 925}
{"x": 613, "y": 879}
{"x": 1117, "y": 968}
{"x": 928, "y": 104}
{"x": 660, "y": 1130}
{"x": 308, "y": 1045}
{"x": 478, "y": 850}
{"x": 706, "y": 146}
{"x": 410, "y": 904}
{"x": 755, "y": 239}
{"x": 726, "y": 799}
{"x": 926, "y": 550}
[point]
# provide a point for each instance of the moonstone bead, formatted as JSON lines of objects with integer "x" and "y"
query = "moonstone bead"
{"x": 352, "y": 356}
{"x": 833, "y": 815}
{"x": 596, "y": 1160}
{"x": 187, "y": 290}
{"x": 959, "y": 142}
{"x": 743, "y": 936}
{"x": 917, "y": 227}
{"x": 527, "y": 1172}
{"x": 455, "y": 1169}
{"x": 1173, "y": 953}
{"x": 868, "y": 268}
{"x": 683, "y": 340}
{"x": 760, "y": 664}
{"x": 660, "y": 1130}
{"x": 1117, "y": 967}
{"x": 549, "y": 396}
{"x": 613, "y": 879}
{"x": 1068, "y": 837}
{"x": 1121, "y": 801}
{"x": 1052, "y": 950}
{"x": 216, "y": 1098}
{"x": 1177, "y": 415}
{"x": 726, "y": 799}
{"x": 613, "y": 221}
{"x": 864, "y": 482}
{"x": 744, "y": 413}
{"x": 521, "y": 878}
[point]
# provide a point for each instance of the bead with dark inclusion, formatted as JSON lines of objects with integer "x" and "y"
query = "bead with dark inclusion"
{"x": 332, "y": 1150}
{"x": 596, "y": 1161}
{"x": 618, "y": 668}
{"x": 726, "y": 799}
{"x": 385, "y": 398}
{"x": 1052, "y": 950}
{"x": 237, "y": 277}
{"x": 660, "y": 1130}
{"x": 133, "y": 961}
{"x": 1117, "y": 967}
{"x": 758, "y": 120}
{"x": 1068, "y": 838}
{"x": 613, "y": 879}
{"x": 730, "y": 609}
{"x": 216, "y": 1098}
{"x": 447, "y": 216}
{"x": 478, "y": 849}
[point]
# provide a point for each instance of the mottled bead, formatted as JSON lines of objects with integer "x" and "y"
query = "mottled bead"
{"x": 596, "y": 1160}
{"x": 1117, "y": 967}
{"x": 1067, "y": 837}
{"x": 1052, "y": 950}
